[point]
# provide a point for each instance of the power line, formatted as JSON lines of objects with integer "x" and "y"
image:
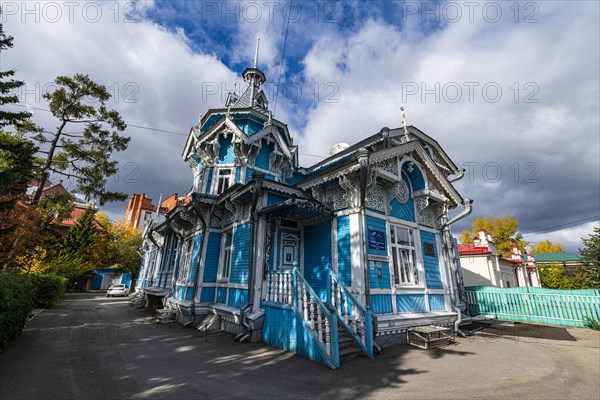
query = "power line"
{"x": 287, "y": 27}
{"x": 151, "y": 129}
{"x": 128, "y": 125}
{"x": 566, "y": 225}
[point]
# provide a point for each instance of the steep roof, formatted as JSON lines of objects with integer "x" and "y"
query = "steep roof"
{"x": 74, "y": 216}
{"x": 471, "y": 249}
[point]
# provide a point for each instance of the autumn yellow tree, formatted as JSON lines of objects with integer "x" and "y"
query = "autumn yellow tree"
{"x": 118, "y": 246}
{"x": 503, "y": 230}
{"x": 546, "y": 246}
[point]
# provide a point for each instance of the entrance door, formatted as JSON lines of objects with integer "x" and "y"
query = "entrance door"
{"x": 317, "y": 256}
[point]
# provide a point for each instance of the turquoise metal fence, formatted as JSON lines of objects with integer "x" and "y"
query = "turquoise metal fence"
{"x": 538, "y": 305}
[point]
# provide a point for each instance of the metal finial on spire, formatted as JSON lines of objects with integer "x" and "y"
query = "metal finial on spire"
{"x": 256, "y": 53}
{"x": 404, "y": 124}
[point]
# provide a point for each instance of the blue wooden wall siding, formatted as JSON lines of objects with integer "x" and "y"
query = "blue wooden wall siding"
{"x": 195, "y": 257}
{"x": 275, "y": 198}
{"x": 381, "y": 303}
{"x": 222, "y": 295}
{"x": 343, "y": 247}
{"x": 207, "y": 295}
{"x": 262, "y": 158}
{"x": 179, "y": 292}
{"x": 248, "y": 126}
{"x": 282, "y": 328}
{"x": 226, "y": 155}
{"x": 432, "y": 266}
{"x": 238, "y": 173}
{"x": 404, "y": 211}
{"x": 126, "y": 279}
{"x": 317, "y": 256}
{"x": 436, "y": 302}
{"x": 211, "y": 262}
{"x": 213, "y": 119}
{"x": 249, "y": 175}
{"x": 416, "y": 177}
{"x": 183, "y": 292}
{"x": 209, "y": 179}
{"x": 410, "y": 303}
{"x": 241, "y": 254}
{"x": 237, "y": 297}
{"x": 374, "y": 280}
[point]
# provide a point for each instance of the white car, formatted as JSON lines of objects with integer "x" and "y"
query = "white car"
{"x": 117, "y": 290}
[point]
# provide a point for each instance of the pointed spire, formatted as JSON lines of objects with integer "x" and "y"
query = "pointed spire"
{"x": 404, "y": 124}
{"x": 256, "y": 53}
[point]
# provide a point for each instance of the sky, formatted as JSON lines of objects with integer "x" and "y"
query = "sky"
{"x": 510, "y": 90}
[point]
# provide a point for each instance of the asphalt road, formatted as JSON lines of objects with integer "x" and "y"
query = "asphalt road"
{"x": 91, "y": 347}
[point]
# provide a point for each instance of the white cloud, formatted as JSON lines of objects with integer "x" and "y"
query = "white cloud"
{"x": 570, "y": 238}
{"x": 547, "y": 150}
{"x": 366, "y": 68}
{"x": 155, "y": 78}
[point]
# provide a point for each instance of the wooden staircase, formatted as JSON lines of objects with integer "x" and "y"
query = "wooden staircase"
{"x": 347, "y": 345}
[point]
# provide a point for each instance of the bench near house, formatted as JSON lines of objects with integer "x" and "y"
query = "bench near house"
{"x": 324, "y": 261}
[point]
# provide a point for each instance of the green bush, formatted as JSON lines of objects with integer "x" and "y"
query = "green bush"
{"x": 48, "y": 289}
{"x": 21, "y": 293}
{"x": 17, "y": 297}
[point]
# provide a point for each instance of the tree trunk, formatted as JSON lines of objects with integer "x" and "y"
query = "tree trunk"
{"x": 47, "y": 164}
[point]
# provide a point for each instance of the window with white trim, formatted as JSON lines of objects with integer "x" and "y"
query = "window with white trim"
{"x": 173, "y": 250}
{"x": 404, "y": 256}
{"x": 188, "y": 247}
{"x": 224, "y": 179}
{"x": 226, "y": 248}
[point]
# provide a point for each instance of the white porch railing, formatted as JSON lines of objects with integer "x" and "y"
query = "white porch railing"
{"x": 357, "y": 320}
{"x": 290, "y": 287}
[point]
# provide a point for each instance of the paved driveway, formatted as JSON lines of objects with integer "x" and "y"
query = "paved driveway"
{"x": 91, "y": 347}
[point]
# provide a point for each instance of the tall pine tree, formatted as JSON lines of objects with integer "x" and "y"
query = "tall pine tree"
{"x": 8, "y": 85}
{"x": 81, "y": 235}
{"x": 17, "y": 154}
{"x": 86, "y": 157}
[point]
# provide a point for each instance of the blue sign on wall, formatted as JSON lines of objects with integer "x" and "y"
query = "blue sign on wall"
{"x": 376, "y": 240}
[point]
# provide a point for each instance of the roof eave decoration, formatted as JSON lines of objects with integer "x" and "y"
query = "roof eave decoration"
{"x": 399, "y": 139}
{"x": 453, "y": 168}
{"x": 189, "y": 143}
{"x": 272, "y": 131}
{"x": 351, "y": 165}
{"x": 432, "y": 169}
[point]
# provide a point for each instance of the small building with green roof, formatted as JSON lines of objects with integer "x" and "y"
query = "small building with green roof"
{"x": 571, "y": 262}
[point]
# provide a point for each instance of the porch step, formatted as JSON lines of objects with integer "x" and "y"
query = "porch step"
{"x": 347, "y": 346}
{"x": 345, "y": 342}
{"x": 349, "y": 352}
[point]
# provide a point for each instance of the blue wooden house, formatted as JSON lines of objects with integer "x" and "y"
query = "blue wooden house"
{"x": 326, "y": 261}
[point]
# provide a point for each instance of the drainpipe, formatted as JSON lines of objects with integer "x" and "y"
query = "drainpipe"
{"x": 454, "y": 270}
{"x": 385, "y": 134}
{"x": 197, "y": 211}
{"x": 458, "y": 177}
{"x": 363, "y": 159}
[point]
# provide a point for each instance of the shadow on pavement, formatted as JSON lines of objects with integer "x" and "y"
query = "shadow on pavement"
{"x": 519, "y": 330}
